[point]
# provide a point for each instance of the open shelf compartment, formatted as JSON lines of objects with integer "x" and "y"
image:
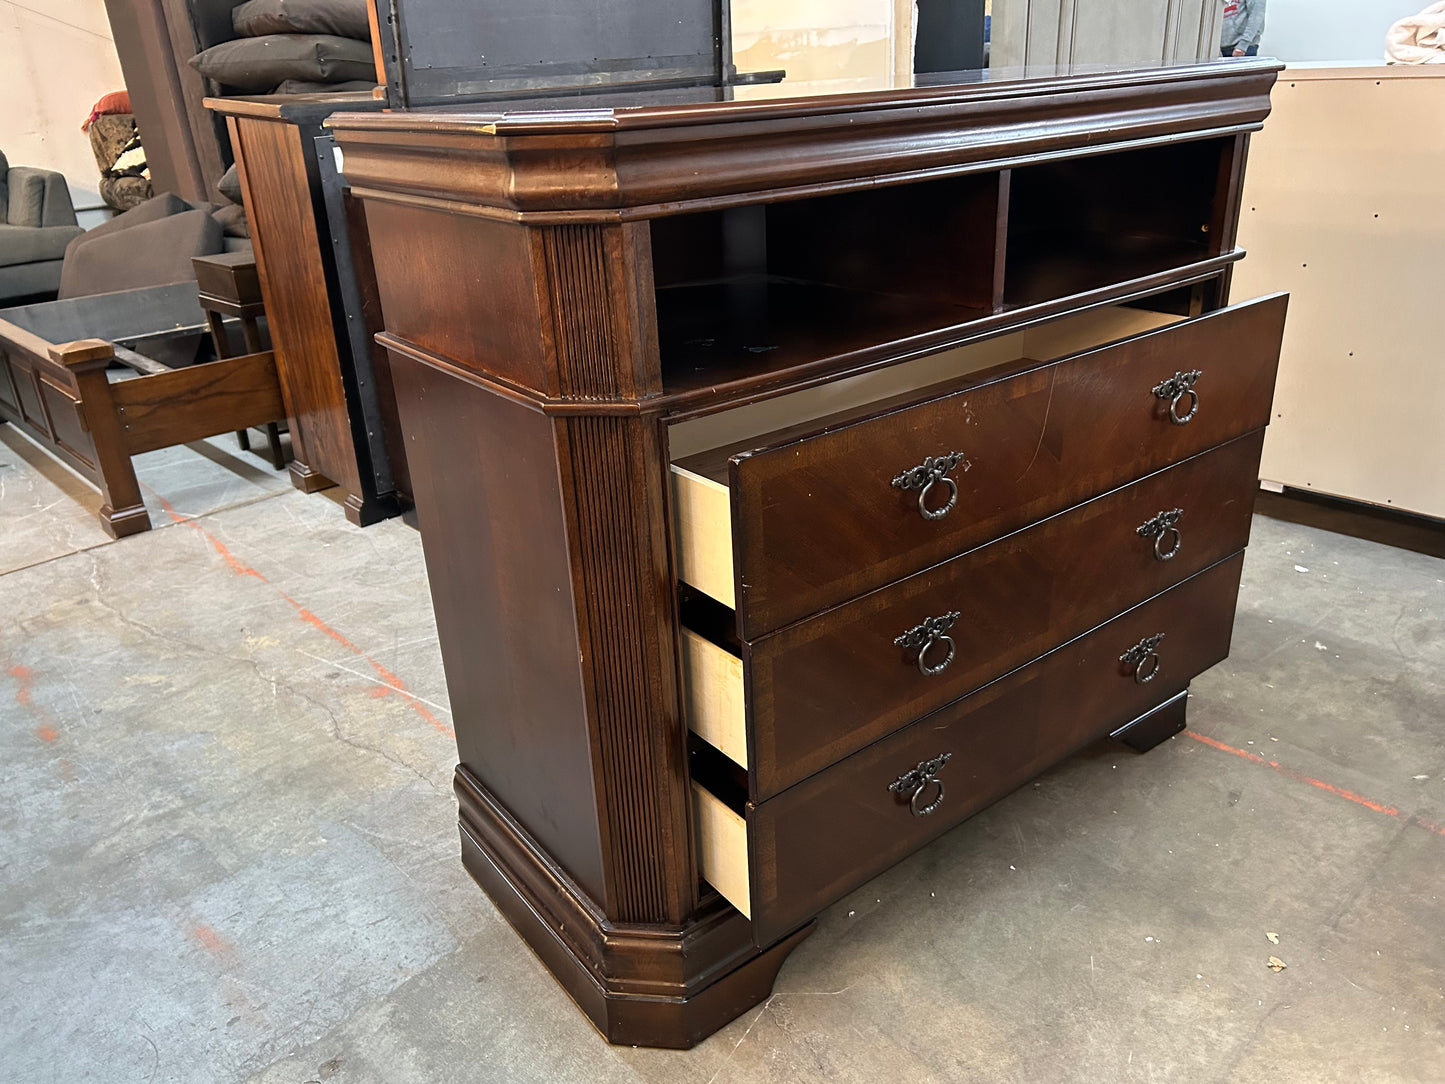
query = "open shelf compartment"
{"x": 765, "y": 288}
{"x": 760, "y": 293}
{"x": 1084, "y": 223}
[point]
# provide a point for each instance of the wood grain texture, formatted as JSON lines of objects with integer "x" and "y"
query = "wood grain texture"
{"x": 584, "y": 329}
{"x": 613, "y": 474}
{"x": 60, "y": 396}
{"x": 817, "y": 841}
{"x": 552, "y": 281}
{"x": 817, "y": 520}
{"x": 497, "y": 554}
{"x": 467, "y": 290}
{"x": 189, "y": 404}
{"x": 122, "y": 510}
{"x": 824, "y": 688}
{"x": 640, "y": 984}
{"x": 602, "y": 163}
{"x": 276, "y": 182}
{"x": 42, "y": 398}
{"x": 598, "y": 302}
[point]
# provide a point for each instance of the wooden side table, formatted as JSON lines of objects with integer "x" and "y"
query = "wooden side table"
{"x": 229, "y": 286}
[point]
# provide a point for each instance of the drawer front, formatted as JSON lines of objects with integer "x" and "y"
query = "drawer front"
{"x": 818, "y": 840}
{"x": 824, "y": 688}
{"x": 818, "y": 520}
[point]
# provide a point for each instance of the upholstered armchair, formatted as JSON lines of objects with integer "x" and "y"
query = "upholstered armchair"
{"x": 37, "y": 221}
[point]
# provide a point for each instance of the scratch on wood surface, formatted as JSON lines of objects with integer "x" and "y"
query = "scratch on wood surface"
{"x": 1043, "y": 427}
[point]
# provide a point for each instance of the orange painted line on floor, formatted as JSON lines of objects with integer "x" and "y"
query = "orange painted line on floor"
{"x": 24, "y": 676}
{"x": 210, "y": 940}
{"x": 391, "y": 682}
{"x": 1328, "y": 788}
{"x": 25, "y": 698}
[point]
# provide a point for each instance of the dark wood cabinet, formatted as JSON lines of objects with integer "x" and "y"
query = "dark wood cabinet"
{"x": 315, "y": 265}
{"x": 798, "y": 475}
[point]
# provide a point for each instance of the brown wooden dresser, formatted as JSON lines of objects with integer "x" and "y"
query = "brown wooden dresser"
{"x": 798, "y": 475}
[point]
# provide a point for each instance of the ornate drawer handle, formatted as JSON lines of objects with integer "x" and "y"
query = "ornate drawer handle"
{"x": 933, "y": 631}
{"x": 926, "y": 475}
{"x": 1176, "y": 388}
{"x": 916, "y": 780}
{"x": 1144, "y": 658}
{"x": 1160, "y": 528}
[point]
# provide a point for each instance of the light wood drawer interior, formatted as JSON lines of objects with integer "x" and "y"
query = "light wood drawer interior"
{"x": 722, "y": 848}
{"x": 702, "y": 516}
{"x": 714, "y": 701}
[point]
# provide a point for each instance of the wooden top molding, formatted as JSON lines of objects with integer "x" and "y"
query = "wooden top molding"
{"x": 293, "y": 108}
{"x": 587, "y": 163}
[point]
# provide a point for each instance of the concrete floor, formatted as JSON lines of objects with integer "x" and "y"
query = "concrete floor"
{"x": 229, "y": 852}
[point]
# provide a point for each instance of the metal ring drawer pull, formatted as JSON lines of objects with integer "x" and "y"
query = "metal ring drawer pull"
{"x": 929, "y": 473}
{"x": 915, "y": 782}
{"x": 1163, "y": 530}
{"x": 1144, "y": 658}
{"x": 1175, "y": 389}
{"x": 932, "y": 631}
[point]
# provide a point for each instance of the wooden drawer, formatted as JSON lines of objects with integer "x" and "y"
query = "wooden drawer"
{"x": 802, "y": 520}
{"x": 782, "y": 860}
{"x": 795, "y": 701}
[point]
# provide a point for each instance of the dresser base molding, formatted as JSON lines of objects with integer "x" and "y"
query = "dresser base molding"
{"x": 307, "y": 480}
{"x": 643, "y": 985}
{"x": 1154, "y": 726}
{"x": 364, "y": 511}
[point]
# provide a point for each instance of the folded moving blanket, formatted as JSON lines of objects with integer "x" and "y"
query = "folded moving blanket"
{"x": 1418, "y": 39}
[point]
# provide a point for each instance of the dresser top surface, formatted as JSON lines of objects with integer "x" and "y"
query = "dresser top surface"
{"x": 619, "y": 111}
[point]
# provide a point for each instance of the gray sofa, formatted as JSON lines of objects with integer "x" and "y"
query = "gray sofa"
{"x": 37, "y": 221}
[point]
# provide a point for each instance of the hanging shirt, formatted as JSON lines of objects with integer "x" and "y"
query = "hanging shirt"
{"x": 1243, "y": 24}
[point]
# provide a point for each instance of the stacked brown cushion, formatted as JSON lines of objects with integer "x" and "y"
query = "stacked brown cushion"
{"x": 255, "y": 65}
{"x": 343, "y": 18}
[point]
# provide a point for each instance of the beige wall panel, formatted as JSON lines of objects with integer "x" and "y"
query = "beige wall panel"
{"x": 1343, "y": 208}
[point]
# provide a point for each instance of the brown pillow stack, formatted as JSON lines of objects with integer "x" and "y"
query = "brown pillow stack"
{"x": 321, "y": 44}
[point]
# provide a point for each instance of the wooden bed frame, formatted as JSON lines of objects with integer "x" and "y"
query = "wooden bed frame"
{"x": 55, "y": 388}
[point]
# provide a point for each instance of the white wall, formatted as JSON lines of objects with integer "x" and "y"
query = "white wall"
{"x": 1331, "y": 29}
{"x": 56, "y": 60}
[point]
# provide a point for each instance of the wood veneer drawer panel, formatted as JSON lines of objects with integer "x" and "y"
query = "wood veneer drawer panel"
{"x": 814, "y": 517}
{"x": 802, "y": 698}
{"x": 782, "y": 860}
